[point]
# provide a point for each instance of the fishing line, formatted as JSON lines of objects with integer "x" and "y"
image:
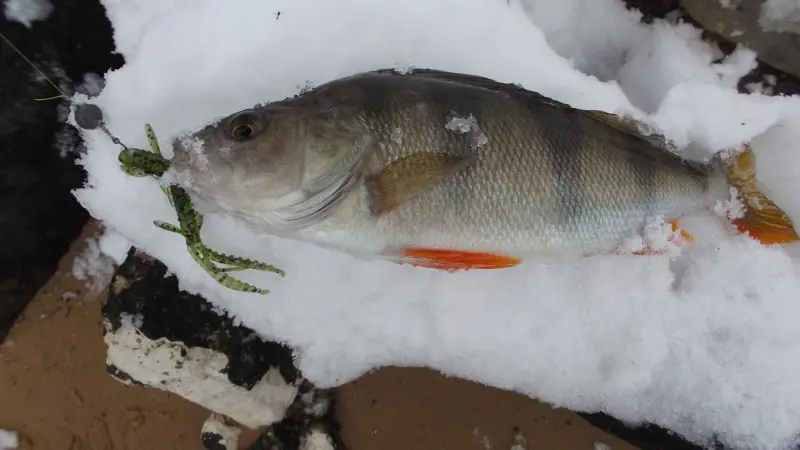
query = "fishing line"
{"x": 87, "y": 115}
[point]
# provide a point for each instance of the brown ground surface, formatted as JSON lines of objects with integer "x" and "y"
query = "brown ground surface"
{"x": 54, "y": 390}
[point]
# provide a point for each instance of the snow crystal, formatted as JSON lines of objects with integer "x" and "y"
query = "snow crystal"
{"x": 9, "y": 440}
{"x": 404, "y": 69}
{"x": 483, "y": 439}
{"x": 520, "y": 442}
{"x": 397, "y": 136}
{"x": 317, "y": 440}
{"x": 468, "y": 125}
{"x": 66, "y": 142}
{"x": 732, "y": 207}
{"x": 227, "y": 433}
{"x": 678, "y": 341}
{"x": 96, "y": 263}
{"x": 780, "y": 16}
{"x": 27, "y": 11}
{"x": 657, "y": 236}
{"x": 765, "y": 86}
{"x": 92, "y": 84}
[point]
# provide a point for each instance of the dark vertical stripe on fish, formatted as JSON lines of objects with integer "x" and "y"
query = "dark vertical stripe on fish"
{"x": 377, "y": 96}
{"x": 564, "y": 154}
{"x": 646, "y": 173}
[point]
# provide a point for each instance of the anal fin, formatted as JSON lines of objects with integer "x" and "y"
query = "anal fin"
{"x": 457, "y": 259}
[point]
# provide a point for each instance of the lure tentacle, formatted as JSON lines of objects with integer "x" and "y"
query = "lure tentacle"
{"x": 139, "y": 163}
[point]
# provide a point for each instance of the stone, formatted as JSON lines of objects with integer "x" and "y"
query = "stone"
{"x": 161, "y": 337}
{"x": 740, "y": 23}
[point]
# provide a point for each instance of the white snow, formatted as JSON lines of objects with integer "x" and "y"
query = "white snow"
{"x": 96, "y": 264}
{"x": 27, "y": 11}
{"x": 316, "y": 440}
{"x": 468, "y": 125}
{"x": 705, "y": 343}
{"x": 780, "y": 16}
{"x": 197, "y": 374}
{"x": 228, "y": 433}
{"x": 9, "y": 440}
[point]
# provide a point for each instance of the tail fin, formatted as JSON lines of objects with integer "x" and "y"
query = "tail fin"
{"x": 762, "y": 219}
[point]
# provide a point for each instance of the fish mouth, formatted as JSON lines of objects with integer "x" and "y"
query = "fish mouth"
{"x": 207, "y": 176}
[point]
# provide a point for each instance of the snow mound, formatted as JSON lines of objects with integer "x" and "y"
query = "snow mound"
{"x": 27, "y": 11}
{"x": 706, "y": 343}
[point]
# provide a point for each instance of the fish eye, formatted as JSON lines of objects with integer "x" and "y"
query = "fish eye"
{"x": 244, "y": 126}
{"x": 242, "y": 132}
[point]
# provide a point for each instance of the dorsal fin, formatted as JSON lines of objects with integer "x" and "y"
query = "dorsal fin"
{"x": 510, "y": 89}
{"x": 633, "y": 127}
{"x": 658, "y": 146}
{"x": 625, "y": 124}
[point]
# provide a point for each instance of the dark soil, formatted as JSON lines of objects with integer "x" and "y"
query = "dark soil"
{"x": 40, "y": 217}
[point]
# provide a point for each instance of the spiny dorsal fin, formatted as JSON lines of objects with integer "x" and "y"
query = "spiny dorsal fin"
{"x": 633, "y": 127}
{"x": 513, "y": 90}
{"x": 625, "y": 124}
{"x": 407, "y": 178}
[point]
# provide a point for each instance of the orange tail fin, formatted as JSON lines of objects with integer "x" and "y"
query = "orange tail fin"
{"x": 762, "y": 219}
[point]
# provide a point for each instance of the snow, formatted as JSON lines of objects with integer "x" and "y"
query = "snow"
{"x": 468, "y": 125}
{"x": 520, "y": 441}
{"x": 705, "y": 343}
{"x": 9, "y": 440}
{"x": 780, "y": 16}
{"x": 227, "y": 434}
{"x": 27, "y": 11}
{"x": 197, "y": 374}
{"x": 98, "y": 261}
{"x": 317, "y": 440}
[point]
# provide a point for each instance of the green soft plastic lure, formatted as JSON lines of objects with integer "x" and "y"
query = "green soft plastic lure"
{"x": 139, "y": 163}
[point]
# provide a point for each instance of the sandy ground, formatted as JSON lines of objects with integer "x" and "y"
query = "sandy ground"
{"x": 55, "y": 391}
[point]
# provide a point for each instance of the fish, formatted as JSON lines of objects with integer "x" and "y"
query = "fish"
{"x": 455, "y": 171}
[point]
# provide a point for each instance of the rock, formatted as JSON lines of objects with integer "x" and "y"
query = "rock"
{"x": 741, "y": 23}
{"x": 310, "y": 424}
{"x": 40, "y": 216}
{"x": 160, "y": 337}
{"x": 219, "y": 434}
{"x": 653, "y": 9}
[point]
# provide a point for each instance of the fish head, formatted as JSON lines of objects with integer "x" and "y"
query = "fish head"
{"x": 264, "y": 159}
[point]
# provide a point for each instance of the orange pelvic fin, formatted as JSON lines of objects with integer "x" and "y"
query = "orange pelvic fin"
{"x": 458, "y": 260}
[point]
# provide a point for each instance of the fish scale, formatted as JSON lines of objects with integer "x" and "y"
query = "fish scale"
{"x": 515, "y": 184}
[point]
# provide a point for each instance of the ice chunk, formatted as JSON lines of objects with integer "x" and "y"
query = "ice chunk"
{"x": 9, "y": 440}
{"x": 27, "y": 11}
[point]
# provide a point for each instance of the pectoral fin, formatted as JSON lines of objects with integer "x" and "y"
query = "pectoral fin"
{"x": 408, "y": 178}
